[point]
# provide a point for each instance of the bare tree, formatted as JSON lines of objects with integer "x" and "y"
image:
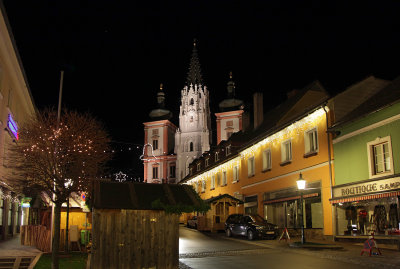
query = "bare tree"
{"x": 58, "y": 161}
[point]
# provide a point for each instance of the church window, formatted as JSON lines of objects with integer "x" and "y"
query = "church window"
{"x": 172, "y": 171}
{"x": 155, "y": 131}
{"x": 199, "y": 95}
{"x": 155, "y": 144}
{"x": 229, "y": 123}
{"x": 191, "y": 118}
{"x": 191, "y": 146}
{"x": 155, "y": 172}
{"x": 191, "y": 102}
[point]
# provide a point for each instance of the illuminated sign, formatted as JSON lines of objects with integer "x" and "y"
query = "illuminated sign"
{"x": 12, "y": 126}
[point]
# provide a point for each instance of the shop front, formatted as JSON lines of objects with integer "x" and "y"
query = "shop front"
{"x": 283, "y": 208}
{"x": 368, "y": 207}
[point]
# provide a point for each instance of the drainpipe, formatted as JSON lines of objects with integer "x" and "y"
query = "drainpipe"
{"x": 330, "y": 174}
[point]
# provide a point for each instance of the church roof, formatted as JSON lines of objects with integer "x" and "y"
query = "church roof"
{"x": 194, "y": 75}
{"x": 230, "y": 103}
{"x": 160, "y": 113}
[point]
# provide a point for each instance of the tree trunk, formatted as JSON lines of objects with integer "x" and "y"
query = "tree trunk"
{"x": 56, "y": 236}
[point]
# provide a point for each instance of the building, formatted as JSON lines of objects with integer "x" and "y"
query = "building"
{"x": 16, "y": 105}
{"x": 158, "y": 156}
{"x": 367, "y": 183}
{"x": 262, "y": 165}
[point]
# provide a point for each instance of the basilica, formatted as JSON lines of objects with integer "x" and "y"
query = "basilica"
{"x": 168, "y": 148}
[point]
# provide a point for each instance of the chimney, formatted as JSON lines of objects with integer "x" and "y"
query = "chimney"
{"x": 258, "y": 109}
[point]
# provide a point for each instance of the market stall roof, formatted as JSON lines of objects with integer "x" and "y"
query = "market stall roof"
{"x": 141, "y": 196}
{"x": 219, "y": 197}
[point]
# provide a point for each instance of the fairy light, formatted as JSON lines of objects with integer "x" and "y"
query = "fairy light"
{"x": 295, "y": 129}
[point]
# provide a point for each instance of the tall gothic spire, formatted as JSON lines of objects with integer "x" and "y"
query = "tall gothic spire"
{"x": 194, "y": 74}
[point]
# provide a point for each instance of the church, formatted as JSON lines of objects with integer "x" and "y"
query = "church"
{"x": 170, "y": 148}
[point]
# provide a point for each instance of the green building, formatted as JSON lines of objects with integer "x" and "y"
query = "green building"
{"x": 366, "y": 189}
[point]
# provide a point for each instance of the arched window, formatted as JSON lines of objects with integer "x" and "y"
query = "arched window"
{"x": 191, "y": 101}
{"x": 191, "y": 146}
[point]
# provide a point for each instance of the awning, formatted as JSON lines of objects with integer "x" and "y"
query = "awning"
{"x": 365, "y": 197}
{"x": 291, "y": 198}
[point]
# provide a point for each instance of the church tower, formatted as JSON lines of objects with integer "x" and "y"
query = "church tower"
{"x": 158, "y": 158}
{"x": 193, "y": 136}
{"x": 231, "y": 118}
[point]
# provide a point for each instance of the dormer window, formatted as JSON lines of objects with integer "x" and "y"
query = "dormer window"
{"x": 206, "y": 162}
{"x": 198, "y": 167}
{"x": 228, "y": 150}
{"x": 216, "y": 156}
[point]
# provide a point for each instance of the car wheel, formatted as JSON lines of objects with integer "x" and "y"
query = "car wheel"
{"x": 250, "y": 235}
{"x": 228, "y": 232}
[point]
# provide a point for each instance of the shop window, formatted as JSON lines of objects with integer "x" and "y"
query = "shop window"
{"x": 212, "y": 182}
{"x": 250, "y": 167}
{"x": 311, "y": 142}
{"x": 267, "y": 160}
{"x": 380, "y": 157}
{"x": 235, "y": 172}
{"x": 286, "y": 152}
{"x": 224, "y": 178}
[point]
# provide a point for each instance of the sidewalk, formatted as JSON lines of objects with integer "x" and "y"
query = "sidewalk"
{"x": 349, "y": 252}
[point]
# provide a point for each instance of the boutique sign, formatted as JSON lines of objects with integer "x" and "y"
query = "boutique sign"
{"x": 370, "y": 187}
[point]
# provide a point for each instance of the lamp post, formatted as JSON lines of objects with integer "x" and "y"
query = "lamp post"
{"x": 301, "y": 185}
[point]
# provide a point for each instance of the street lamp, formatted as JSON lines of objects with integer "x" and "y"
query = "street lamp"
{"x": 301, "y": 185}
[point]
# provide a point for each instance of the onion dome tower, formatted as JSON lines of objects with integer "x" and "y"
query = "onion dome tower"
{"x": 158, "y": 158}
{"x": 193, "y": 137}
{"x": 230, "y": 119}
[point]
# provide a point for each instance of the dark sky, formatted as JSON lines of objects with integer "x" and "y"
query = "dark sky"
{"x": 116, "y": 53}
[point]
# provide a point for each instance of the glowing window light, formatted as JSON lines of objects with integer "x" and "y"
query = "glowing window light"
{"x": 12, "y": 126}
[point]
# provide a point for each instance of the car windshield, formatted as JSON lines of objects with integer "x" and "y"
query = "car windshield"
{"x": 258, "y": 218}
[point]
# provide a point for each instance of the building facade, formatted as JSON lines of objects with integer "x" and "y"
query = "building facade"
{"x": 16, "y": 105}
{"x": 367, "y": 175}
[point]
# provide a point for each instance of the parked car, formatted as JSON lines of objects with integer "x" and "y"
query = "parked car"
{"x": 251, "y": 226}
{"x": 192, "y": 222}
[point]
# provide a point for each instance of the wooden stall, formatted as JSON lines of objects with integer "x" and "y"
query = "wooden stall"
{"x": 131, "y": 228}
{"x": 221, "y": 207}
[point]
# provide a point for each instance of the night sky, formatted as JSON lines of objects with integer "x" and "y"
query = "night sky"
{"x": 116, "y": 53}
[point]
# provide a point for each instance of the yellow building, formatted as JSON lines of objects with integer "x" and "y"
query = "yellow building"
{"x": 16, "y": 105}
{"x": 261, "y": 167}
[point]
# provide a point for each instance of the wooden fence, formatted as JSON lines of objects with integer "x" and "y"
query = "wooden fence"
{"x": 36, "y": 235}
{"x": 134, "y": 239}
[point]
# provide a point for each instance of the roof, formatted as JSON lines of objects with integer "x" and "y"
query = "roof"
{"x": 355, "y": 95}
{"x": 381, "y": 99}
{"x": 140, "y": 196}
{"x": 219, "y": 197}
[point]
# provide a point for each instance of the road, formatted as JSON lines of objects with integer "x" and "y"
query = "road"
{"x": 204, "y": 250}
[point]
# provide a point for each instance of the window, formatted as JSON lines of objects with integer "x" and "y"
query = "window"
{"x": 228, "y": 150}
{"x": 267, "y": 160}
{"x": 206, "y": 162}
{"x": 191, "y": 146}
{"x": 154, "y": 131}
{"x": 155, "y": 144}
{"x": 198, "y": 166}
{"x": 235, "y": 173}
{"x": 191, "y": 171}
{"x": 203, "y": 186}
{"x": 212, "y": 182}
{"x": 229, "y": 123}
{"x": 224, "y": 179}
{"x": 250, "y": 167}
{"x": 286, "y": 152}
{"x": 216, "y": 156}
{"x": 380, "y": 157}
{"x": 196, "y": 186}
{"x": 311, "y": 141}
{"x": 191, "y": 102}
{"x": 155, "y": 172}
{"x": 218, "y": 179}
{"x": 228, "y": 134}
{"x": 172, "y": 171}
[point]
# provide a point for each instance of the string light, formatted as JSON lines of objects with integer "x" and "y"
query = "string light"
{"x": 295, "y": 129}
